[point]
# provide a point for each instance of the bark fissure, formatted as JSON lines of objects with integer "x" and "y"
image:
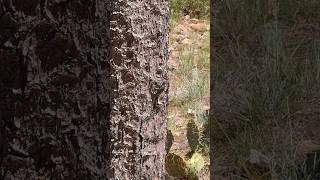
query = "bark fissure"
{"x": 141, "y": 147}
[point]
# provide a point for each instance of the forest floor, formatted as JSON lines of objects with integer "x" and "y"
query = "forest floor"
{"x": 189, "y": 94}
{"x": 265, "y": 122}
{"x": 266, "y": 110}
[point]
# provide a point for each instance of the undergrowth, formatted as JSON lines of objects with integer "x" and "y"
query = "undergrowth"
{"x": 189, "y": 89}
{"x": 199, "y": 9}
{"x": 267, "y": 69}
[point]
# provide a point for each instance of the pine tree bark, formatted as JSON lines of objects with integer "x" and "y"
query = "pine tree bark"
{"x": 138, "y": 68}
{"x": 77, "y": 102}
{"x": 53, "y": 100}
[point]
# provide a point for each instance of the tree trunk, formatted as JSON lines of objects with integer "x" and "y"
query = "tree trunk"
{"x": 75, "y": 102}
{"x": 139, "y": 76}
{"x": 53, "y": 95}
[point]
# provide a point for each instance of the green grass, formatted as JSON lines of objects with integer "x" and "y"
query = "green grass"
{"x": 269, "y": 70}
{"x": 195, "y": 8}
{"x": 189, "y": 83}
{"x": 191, "y": 79}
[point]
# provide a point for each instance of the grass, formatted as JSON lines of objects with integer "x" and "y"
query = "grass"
{"x": 267, "y": 69}
{"x": 189, "y": 84}
{"x": 199, "y": 9}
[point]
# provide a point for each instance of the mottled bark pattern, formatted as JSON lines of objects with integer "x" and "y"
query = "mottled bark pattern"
{"x": 53, "y": 89}
{"x": 139, "y": 41}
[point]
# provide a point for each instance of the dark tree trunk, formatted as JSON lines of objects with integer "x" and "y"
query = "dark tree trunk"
{"x": 68, "y": 108}
{"x": 53, "y": 95}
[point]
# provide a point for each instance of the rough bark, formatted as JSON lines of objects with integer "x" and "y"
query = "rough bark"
{"x": 75, "y": 102}
{"x": 53, "y": 98}
{"x": 138, "y": 72}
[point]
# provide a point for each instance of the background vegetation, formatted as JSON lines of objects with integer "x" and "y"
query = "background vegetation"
{"x": 199, "y": 9}
{"x": 189, "y": 93}
{"x": 266, "y": 101}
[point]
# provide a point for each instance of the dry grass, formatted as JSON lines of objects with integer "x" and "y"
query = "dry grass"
{"x": 267, "y": 67}
{"x": 189, "y": 89}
